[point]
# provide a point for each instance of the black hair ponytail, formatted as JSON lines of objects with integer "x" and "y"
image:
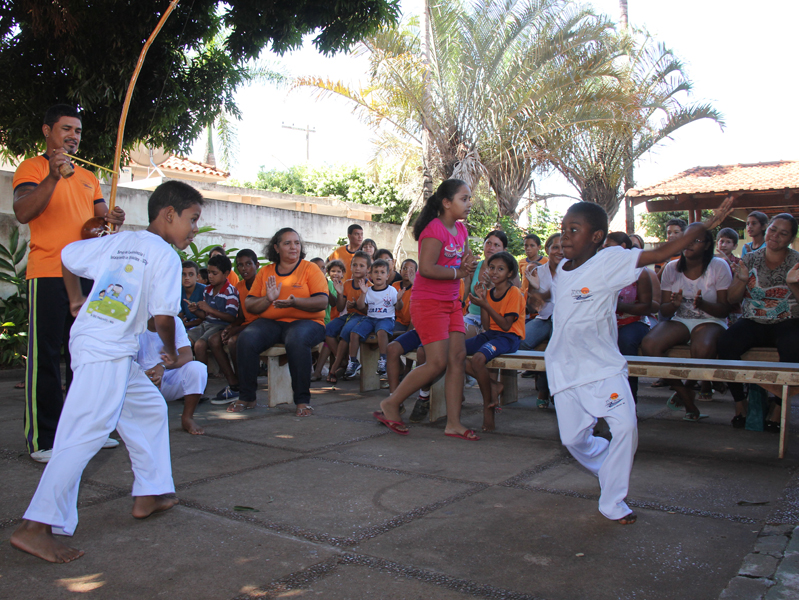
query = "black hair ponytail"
{"x": 435, "y": 204}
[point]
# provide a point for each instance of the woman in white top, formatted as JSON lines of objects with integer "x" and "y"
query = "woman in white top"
{"x": 694, "y": 293}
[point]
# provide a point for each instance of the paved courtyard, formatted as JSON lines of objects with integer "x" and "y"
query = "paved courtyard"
{"x": 337, "y": 507}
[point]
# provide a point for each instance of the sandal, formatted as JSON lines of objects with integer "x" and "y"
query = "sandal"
{"x": 705, "y": 396}
{"x": 658, "y": 383}
{"x": 542, "y": 403}
{"x": 671, "y": 404}
{"x": 304, "y": 412}
{"x": 20, "y": 385}
{"x": 694, "y": 416}
{"x": 395, "y": 426}
{"x": 239, "y": 406}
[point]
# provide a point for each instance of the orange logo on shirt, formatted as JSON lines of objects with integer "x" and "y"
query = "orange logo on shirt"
{"x": 585, "y": 290}
{"x": 614, "y": 396}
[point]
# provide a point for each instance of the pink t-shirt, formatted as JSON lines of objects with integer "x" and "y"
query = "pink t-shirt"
{"x": 451, "y": 255}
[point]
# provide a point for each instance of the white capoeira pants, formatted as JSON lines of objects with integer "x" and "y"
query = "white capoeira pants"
{"x": 104, "y": 396}
{"x": 578, "y": 409}
{"x": 189, "y": 379}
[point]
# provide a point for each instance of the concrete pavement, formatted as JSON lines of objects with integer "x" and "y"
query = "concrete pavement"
{"x": 336, "y": 506}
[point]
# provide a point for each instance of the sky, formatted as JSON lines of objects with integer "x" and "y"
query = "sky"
{"x": 741, "y": 57}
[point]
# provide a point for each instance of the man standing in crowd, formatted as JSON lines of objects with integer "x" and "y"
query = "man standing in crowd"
{"x": 55, "y": 208}
{"x": 344, "y": 253}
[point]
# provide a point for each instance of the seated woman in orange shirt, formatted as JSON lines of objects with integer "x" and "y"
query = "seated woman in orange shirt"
{"x": 289, "y": 296}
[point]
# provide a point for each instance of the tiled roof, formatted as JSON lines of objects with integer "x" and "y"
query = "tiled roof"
{"x": 766, "y": 176}
{"x": 178, "y": 163}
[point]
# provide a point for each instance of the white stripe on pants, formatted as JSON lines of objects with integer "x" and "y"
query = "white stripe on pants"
{"x": 104, "y": 396}
{"x": 189, "y": 379}
{"x": 578, "y": 409}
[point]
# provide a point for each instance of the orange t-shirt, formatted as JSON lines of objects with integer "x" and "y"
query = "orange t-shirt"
{"x": 512, "y": 303}
{"x": 352, "y": 293}
{"x": 304, "y": 281}
{"x": 344, "y": 255}
{"x": 71, "y": 205}
{"x": 404, "y": 316}
{"x": 233, "y": 279}
{"x": 542, "y": 260}
{"x": 241, "y": 286}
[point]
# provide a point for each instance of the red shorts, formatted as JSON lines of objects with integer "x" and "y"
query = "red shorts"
{"x": 434, "y": 320}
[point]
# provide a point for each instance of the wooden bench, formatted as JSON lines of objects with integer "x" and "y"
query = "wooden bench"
{"x": 279, "y": 380}
{"x": 740, "y": 371}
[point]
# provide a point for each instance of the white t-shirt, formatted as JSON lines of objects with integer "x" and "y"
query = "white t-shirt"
{"x": 544, "y": 285}
{"x": 380, "y": 305}
{"x": 583, "y": 347}
{"x": 717, "y": 276}
{"x": 136, "y": 274}
{"x": 151, "y": 346}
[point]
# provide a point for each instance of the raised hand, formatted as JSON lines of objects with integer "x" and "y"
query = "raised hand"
{"x": 531, "y": 274}
{"x": 338, "y": 285}
{"x": 742, "y": 272}
{"x": 720, "y": 213}
{"x": 676, "y": 298}
{"x": 412, "y": 277}
{"x": 273, "y": 288}
{"x": 479, "y": 296}
{"x": 791, "y": 276}
{"x": 698, "y": 300}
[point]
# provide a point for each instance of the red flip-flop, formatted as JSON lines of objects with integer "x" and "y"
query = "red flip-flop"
{"x": 469, "y": 435}
{"x": 392, "y": 425}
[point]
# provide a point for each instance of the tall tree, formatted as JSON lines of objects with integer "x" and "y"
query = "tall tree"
{"x": 82, "y": 52}
{"x": 599, "y": 156}
{"x": 502, "y": 73}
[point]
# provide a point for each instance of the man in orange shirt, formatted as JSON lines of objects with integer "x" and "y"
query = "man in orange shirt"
{"x": 345, "y": 253}
{"x": 55, "y": 208}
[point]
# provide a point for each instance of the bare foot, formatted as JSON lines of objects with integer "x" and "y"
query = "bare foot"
{"x": 496, "y": 391}
{"x": 628, "y": 519}
{"x": 390, "y": 411}
{"x": 38, "y": 539}
{"x": 488, "y": 418}
{"x": 190, "y": 426}
{"x": 144, "y": 506}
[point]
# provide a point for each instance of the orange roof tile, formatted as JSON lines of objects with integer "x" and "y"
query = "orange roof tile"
{"x": 178, "y": 163}
{"x": 765, "y": 176}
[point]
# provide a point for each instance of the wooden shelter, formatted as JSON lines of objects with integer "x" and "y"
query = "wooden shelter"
{"x": 770, "y": 187}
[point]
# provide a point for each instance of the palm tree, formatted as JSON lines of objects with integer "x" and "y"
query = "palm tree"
{"x": 598, "y": 158}
{"x": 497, "y": 76}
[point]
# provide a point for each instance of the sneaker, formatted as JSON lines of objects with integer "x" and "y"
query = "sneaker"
{"x": 225, "y": 396}
{"x": 42, "y": 456}
{"x": 325, "y": 372}
{"x": 420, "y": 410}
{"x": 528, "y": 374}
{"x": 110, "y": 443}
{"x": 470, "y": 381}
{"x": 381, "y": 366}
{"x": 353, "y": 368}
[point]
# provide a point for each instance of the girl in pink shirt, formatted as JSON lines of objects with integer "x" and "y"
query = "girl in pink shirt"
{"x": 436, "y": 310}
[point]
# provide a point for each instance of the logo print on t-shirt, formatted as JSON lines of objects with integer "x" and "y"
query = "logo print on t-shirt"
{"x": 453, "y": 251}
{"x": 582, "y": 294}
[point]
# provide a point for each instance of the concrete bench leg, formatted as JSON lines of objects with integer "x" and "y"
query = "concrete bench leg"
{"x": 438, "y": 400}
{"x": 784, "y": 421}
{"x": 370, "y": 380}
{"x": 279, "y": 382}
{"x": 510, "y": 379}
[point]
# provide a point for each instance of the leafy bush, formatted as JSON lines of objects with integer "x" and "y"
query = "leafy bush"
{"x": 654, "y": 224}
{"x": 13, "y": 309}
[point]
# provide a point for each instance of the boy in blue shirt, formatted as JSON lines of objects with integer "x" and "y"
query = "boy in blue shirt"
{"x": 191, "y": 292}
{"x": 136, "y": 274}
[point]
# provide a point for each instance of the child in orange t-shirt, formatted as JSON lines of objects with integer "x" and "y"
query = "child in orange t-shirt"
{"x": 502, "y": 315}
{"x": 247, "y": 264}
{"x": 402, "y": 322}
{"x": 335, "y": 270}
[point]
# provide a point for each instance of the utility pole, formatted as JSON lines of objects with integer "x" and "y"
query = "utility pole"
{"x": 308, "y": 131}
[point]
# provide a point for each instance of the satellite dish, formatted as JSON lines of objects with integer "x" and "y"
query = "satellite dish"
{"x": 140, "y": 154}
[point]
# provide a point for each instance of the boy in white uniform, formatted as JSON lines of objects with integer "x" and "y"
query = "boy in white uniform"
{"x": 587, "y": 373}
{"x": 185, "y": 379}
{"x": 110, "y": 390}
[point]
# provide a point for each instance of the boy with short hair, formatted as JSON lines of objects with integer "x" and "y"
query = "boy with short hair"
{"x": 726, "y": 243}
{"x": 380, "y": 303}
{"x": 247, "y": 264}
{"x": 587, "y": 373}
{"x": 202, "y": 276}
{"x": 219, "y": 306}
{"x": 185, "y": 379}
{"x": 347, "y": 252}
{"x": 335, "y": 281}
{"x": 110, "y": 390}
{"x": 337, "y": 332}
{"x": 191, "y": 291}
